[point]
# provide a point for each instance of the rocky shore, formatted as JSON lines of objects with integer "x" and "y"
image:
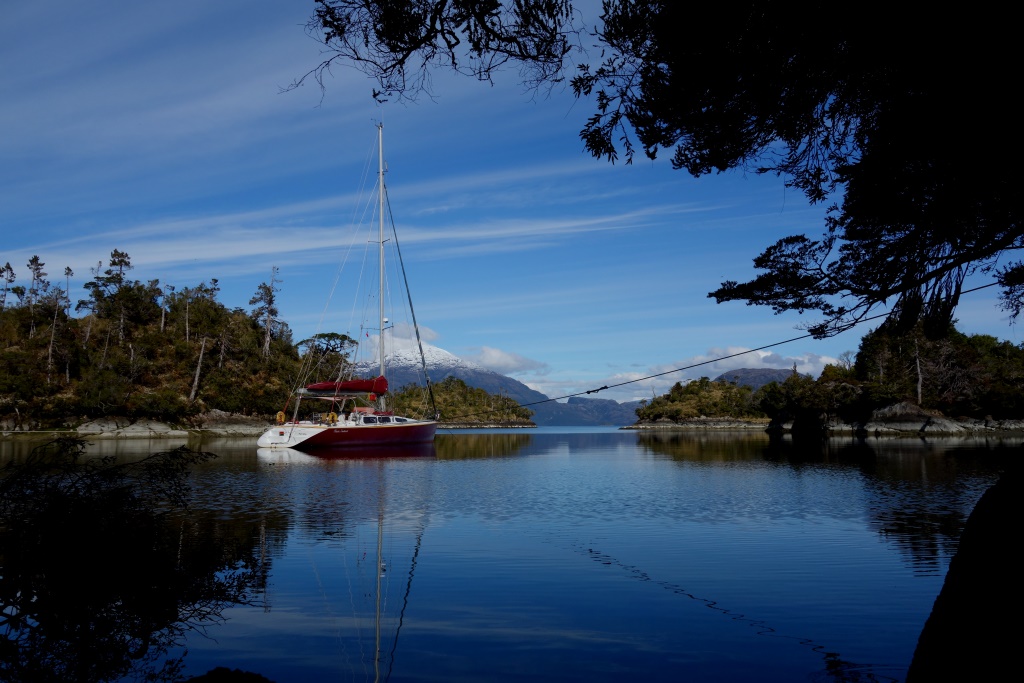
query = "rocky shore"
{"x": 902, "y": 419}
{"x": 214, "y": 423}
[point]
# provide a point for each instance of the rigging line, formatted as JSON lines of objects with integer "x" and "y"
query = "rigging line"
{"x": 715, "y": 360}
{"x": 667, "y": 372}
{"x": 686, "y": 367}
{"x": 412, "y": 311}
{"x": 306, "y": 368}
{"x": 696, "y": 365}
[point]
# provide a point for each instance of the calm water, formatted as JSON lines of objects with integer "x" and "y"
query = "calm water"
{"x": 586, "y": 555}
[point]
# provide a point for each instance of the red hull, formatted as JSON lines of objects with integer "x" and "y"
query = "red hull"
{"x": 393, "y": 435}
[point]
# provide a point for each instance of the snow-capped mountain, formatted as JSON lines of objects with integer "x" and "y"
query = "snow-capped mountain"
{"x": 403, "y": 367}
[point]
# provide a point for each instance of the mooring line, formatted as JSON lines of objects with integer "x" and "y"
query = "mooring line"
{"x": 835, "y": 667}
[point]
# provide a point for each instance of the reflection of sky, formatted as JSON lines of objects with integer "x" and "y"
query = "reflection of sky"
{"x": 584, "y": 559}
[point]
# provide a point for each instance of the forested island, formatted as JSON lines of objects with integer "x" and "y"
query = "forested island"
{"x": 174, "y": 354}
{"x": 915, "y": 377}
{"x": 150, "y": 351}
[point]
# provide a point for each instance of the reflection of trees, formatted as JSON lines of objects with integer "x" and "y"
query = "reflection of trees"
{"x": 472, "y": 446}
{"x": 920, "y": 495}
{"x": 706, "y": 445}
{"x": 102, "y": 571}
{"x": 917, "y": 493}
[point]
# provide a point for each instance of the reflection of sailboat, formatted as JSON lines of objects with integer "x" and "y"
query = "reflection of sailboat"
{"x": 362, "y": 520}
{"x": 295, "y": 456}
{"x": 384, "y": 652}
{"x": 355, "y": 413}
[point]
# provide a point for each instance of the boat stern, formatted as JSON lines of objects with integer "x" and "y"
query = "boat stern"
{"x": 285, "y": 436}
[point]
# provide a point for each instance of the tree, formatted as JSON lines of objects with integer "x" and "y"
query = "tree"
{"x": 904, "y": 125}
{"x": 266, "y": 311}
{"x": 61, "y": 302}
{"x": 37, "y": 287}
{"x": 328, "y": 355}
{"x": 397, "y": 43}
{"x": 105, "y": 289}
{"x": 8, "y": 278}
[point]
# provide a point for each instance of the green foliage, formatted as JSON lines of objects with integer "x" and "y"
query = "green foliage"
{"x": 964, "y": 376}
{"x": 700, "y": 398}
{"x": 968, "y": 376}
{"x": 135, "y": 352}
{"x": 458, "y": 402}
{"x": 139, "y": 347}
{"x": 959, "y": 375}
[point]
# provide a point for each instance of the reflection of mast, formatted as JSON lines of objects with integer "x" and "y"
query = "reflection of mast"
{"x": 405, "y": 598}
{"x": 381, "y": 571}
{"x": 380, "y": 574}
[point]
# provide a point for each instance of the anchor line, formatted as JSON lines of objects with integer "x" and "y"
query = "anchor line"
{"x": 694, "y": 365}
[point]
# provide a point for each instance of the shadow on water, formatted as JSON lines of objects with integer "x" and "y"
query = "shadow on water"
{"x": 481, "y": 446}
{"x": 918, "y": 495}
{"x": 103, "y": 569}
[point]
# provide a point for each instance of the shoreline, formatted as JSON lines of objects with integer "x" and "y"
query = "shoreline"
{"x": 214, "y": 425}
{"x": 901, "y": 419}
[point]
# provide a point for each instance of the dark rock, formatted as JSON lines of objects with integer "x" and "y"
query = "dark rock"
{"x": 972, "y": 633}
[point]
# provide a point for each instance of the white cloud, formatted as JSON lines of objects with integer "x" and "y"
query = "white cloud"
{"x": 657, "y": 380}
{"x": 404, "y": 335}
{"x": 721, "y": 359}
{"x": 505, "y": 362}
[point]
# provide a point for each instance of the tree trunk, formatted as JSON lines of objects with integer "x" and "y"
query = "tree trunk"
{"x": 106, "y": 345}
{"x": 49, "y": 353}
{"x": 917, "y": 361}
{"x": 199, "y": 365}
{"x": 266, "y": 336}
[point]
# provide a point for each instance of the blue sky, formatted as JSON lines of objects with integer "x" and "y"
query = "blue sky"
{"x": 162, "y": 131}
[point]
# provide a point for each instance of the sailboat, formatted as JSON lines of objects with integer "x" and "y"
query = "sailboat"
{"x": 356, "y": 412}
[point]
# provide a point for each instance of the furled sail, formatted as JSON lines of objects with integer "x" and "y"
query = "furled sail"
{"x": 377, "y": 385}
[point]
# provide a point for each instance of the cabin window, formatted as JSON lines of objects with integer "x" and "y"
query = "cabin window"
{"x": 385, "y": 420}
{"x": 368, "y": 420}
{"x": 400, "y": 419}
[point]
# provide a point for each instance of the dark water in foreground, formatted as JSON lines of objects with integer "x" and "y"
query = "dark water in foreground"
{"x": 586, "y": 555}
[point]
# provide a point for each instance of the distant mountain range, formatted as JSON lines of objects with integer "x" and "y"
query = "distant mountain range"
{"x": 404, "y": 368}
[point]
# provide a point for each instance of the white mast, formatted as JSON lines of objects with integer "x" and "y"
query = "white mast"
{"x": 380, "y": 283}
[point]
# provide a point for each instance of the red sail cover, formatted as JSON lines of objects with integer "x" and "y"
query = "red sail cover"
{"x": 377, "y": 385}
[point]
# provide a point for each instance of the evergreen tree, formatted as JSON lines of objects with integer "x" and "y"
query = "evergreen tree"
{"x": 7, "y": 277}
{"x": 266, "y": 311}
